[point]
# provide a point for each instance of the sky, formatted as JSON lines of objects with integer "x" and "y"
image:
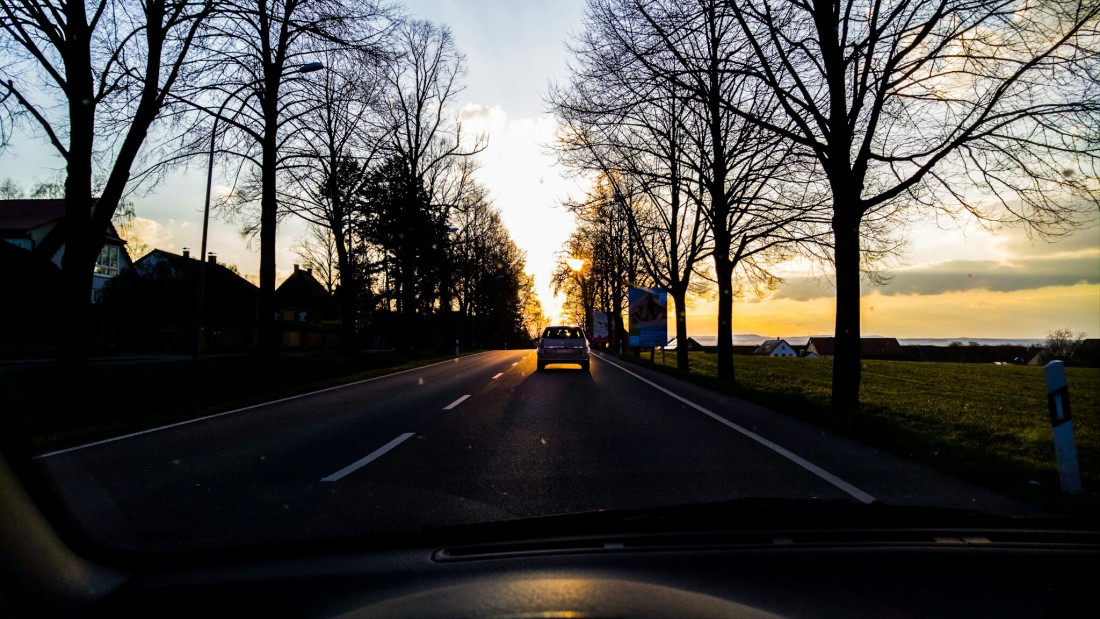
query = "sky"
{"x": 958, "y": 282}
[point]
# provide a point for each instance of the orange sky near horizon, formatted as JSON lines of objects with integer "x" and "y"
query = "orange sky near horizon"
{"x": 1020, "y": 314}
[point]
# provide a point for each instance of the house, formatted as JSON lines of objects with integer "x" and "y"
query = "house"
{"x": 306, "y": 313}
{"x": 1041, "y": 357}
{"x": 775, "y": 348}
{"x": 32, "y": 307}
{"x": 870, "y": 348}
{"x": 154, "y": 305}
{"x": 34, "y": 225}
{"x": 690, "y": 343}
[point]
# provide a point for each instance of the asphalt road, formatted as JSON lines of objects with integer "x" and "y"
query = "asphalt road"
{"x": 480, "y": 438}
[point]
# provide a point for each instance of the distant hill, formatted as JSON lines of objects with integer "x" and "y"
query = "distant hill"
{"x": 746, "y": 339}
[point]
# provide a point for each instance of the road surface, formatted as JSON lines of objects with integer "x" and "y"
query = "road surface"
{"x": 481, "y": 438}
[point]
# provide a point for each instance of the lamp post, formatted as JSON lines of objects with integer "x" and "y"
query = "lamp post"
{"x": 197, "y": 327}
{"x": 448, "y": 320}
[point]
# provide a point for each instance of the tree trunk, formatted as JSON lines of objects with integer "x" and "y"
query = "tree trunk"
{"x": 723, "y": 271}
{"x": 846, "y": 361}
{"x": 408, "y": 300}
{"x": 719, "y": 213}
{"x": 345, "y": 292}
{"x": 616, "y": 319}
{"x": 76, "y": 267}
{"x": 269, "y": 211}
{"x": 679, "y": 297}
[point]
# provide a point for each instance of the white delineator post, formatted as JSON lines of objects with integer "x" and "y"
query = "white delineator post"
{"x": 1061, "y": 422}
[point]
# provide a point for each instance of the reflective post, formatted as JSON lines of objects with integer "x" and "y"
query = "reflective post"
{"x": 1061, "y": 422}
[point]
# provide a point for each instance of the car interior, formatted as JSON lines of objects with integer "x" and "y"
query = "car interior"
{"x": 704, "y": 564}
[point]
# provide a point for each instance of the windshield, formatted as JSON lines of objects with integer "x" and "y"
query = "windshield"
{"x": 563, "y": 333}
{"x": 812, "y": 260}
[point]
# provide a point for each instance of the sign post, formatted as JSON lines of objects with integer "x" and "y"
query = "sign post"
{"x": 1061, "y": 423}
{"x": 601, "y": 332}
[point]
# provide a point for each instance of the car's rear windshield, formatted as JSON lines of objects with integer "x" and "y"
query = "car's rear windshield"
{"x": 563, "y": 333}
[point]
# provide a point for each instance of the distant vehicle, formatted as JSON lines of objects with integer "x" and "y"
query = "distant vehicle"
{"x": 563, "y": 344}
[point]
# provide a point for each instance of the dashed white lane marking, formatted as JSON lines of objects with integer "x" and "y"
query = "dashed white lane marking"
{"x": 858, "y": 494}
{"x": 241, "y": 410}
{"x": 374, "y": 455}
{"x": 498, "y": 376}
{"x": 456, "y": 402}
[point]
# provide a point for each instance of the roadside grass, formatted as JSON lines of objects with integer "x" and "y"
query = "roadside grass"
{"x": 985, "y": 423}
{"x": 43, "y": 408}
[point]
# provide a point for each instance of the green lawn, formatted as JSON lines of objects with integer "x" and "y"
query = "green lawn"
{"x": 987, "y": 423}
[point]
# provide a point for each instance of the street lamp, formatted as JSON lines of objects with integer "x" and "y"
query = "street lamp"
{"x": 577, "y": 265}
{"x": 309, "y": 67}
{"x": 448, "y": 321}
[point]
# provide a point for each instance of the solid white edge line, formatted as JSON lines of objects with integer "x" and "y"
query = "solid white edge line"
{"x": 498, "y": 376}
{"x": 456, "y": 402}
{"x": 374, "y": 455}
{"x": 856, "y": 493}
{"x": 247, "y": 408}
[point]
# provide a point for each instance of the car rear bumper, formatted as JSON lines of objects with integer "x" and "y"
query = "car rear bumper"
{"x": 562, "y": 355}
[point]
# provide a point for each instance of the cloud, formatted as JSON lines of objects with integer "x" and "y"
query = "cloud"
{"x": 146, "y": 232}
{"x": 966, "y": 275}
{"x": 527, "y": 186}
{"x": 478, "y": 113}
{"x": 1018, "y": 244}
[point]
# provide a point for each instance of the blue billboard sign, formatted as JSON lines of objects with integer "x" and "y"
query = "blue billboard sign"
{"x": 648, "y": 317}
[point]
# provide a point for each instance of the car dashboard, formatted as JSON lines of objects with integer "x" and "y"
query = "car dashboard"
{"x": 508, "y": 571}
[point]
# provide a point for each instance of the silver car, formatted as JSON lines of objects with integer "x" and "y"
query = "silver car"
{"x": 563, "y": 344}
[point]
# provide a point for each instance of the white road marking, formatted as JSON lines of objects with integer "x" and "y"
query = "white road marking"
{"x": 456, "y": 402}
{"x": 856, "y": 493}
{"x": 498, "y": 376}
{"x": 241, "y": 410}
{"x": 374, "y": 455}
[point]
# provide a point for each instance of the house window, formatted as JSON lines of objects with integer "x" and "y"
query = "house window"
{"x": 302, "y": 316}
{"x": 107, "y": 264}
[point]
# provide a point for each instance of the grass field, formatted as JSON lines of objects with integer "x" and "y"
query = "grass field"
{"x": 987, "y": 423}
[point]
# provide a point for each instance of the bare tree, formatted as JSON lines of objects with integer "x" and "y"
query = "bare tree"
{"x": 113, "y": 64}
{"x": 1063, "y": 344}
{"x": 653, "y": 87}
{"x": 611, "y": 260}
{"x": 255, "y": 50}
{"x": 495, "y": 298}
{"x": 980, "y": 108}
{"x": 426, "y": 142}
{"x": 318, "y": 251}
{"x": 630, "y": 129}
{"x": 534, "y": 319}
{"x": 339, "y": 140}
{"x": 11, "y": 190}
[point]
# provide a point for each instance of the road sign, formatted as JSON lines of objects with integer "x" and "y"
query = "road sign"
{"x": 1061, "y": 423}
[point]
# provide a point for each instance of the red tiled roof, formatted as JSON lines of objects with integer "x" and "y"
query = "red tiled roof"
{"x": 27, "y": 214}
